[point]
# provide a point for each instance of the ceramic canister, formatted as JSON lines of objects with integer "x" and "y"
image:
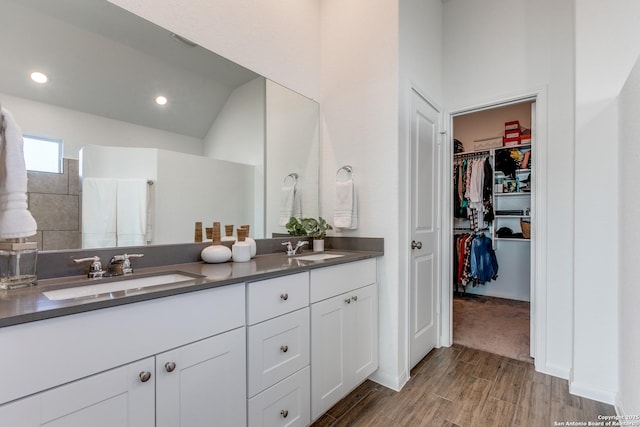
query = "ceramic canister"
{"x": 216, "y": 253}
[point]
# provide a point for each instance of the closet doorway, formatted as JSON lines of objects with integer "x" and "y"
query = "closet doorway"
{"x": 492, "y": 217}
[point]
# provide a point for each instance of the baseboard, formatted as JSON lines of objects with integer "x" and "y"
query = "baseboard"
{"x": 584, "y": 390}
{"x": 618, "y": 406}
{"x": 389, "y": 381}
{"x": 554, "y": 370}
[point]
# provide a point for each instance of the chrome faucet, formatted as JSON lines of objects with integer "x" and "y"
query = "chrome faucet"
{"x": 95, "y": 270}
{"x": 291, "y": 250}
{"x": 121, "y": 264}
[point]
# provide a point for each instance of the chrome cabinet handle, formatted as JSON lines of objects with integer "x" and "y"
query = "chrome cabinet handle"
{"x": 169, "y": 366}
{"x": 355, "y": 297}
{"x": 284, "y": 413}
{"x": 145, "y": 376}
{"x": 416, "y": 245}
{"x": 348, "y": 300}
{"x": 284, "y": 297}
{"x": 284, "y": 348}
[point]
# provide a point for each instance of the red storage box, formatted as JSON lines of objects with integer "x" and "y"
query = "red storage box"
{"x": 525, "y": 138}
{"x": 513, "y": 125}
{"x": 512, "y": 134}
{"x": 510, "y": 142}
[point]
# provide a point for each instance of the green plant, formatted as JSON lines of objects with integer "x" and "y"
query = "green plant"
{"x": 295, "y": 227}
{"x": 316, "y": 228}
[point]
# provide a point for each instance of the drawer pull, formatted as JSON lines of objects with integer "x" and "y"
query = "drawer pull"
{"x": 145, "y": 376}
{"x": 169, "y": 366}
{"x": 284, "y": 413}
{"x": 284, "y": 348}
{"x": 284, "y": 297}
{"x": 348, "y": 300}
{"x": 355, "y": 297}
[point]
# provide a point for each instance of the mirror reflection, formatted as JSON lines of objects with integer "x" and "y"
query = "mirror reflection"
{"x": 220, "y": 148}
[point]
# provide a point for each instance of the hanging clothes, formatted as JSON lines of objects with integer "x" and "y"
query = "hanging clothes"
{"x": 476, "y": 260}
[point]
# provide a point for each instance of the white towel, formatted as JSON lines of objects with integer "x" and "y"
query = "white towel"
{"x": 98, "y": 212}
{"x": 345, "y": 210}
{"x": 290, "y": 205}
{"x": 15, "y": 219}
{"x": 131, "y": 212}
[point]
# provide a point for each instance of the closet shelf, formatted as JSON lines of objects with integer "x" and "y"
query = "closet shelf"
{"x": 511, "y": 239}
{"x": 514, "y": 146}
{"x": 513, "y": 216}
{"x": 500, "y": 173}
{"x": 515, "y": 193}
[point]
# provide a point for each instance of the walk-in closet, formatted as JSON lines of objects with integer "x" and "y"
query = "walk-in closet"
{"x": 493, "y": 216}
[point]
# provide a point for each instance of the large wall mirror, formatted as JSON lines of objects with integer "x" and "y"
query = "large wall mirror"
{"x": 227, "y": 146}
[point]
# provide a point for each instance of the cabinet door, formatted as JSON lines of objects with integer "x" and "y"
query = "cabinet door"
{"x": 361, "y": 358}
{"x": 120, "y": 397}
{"x": 203, "y": 383}
{"x": 328, "y": 329}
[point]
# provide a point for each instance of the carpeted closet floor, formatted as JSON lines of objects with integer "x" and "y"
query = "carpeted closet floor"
{"x": 495, "y": 325}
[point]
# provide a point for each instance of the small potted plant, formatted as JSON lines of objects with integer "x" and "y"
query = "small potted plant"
{"x": 297, "y": 226}
{"x": 318, "y": 230}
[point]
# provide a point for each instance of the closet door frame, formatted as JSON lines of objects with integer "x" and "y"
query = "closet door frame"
{"x": 538, "y": 320}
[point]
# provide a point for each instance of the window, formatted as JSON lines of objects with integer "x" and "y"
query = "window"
{"x": 42, "y": 154}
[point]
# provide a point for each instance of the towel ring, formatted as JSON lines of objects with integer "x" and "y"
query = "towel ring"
{"x": 348, "y": 169}
{"x": 293, "y": 176}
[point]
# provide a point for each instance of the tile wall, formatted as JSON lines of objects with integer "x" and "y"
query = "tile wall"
{"x": 54, "y": 202}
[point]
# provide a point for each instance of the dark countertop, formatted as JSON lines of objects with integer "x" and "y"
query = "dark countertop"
{"x": 29, "y": 304}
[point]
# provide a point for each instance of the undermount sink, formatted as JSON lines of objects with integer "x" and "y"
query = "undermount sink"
{"x": 319, "y": 257}
{"x": 120, "y": 284}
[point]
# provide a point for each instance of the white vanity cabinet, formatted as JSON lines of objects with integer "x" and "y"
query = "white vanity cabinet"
{"x": 177, "y": 361}
{"x": 344, "y": 331}
{"x": 278, "y": 351}
{"x": 119, "y": 397}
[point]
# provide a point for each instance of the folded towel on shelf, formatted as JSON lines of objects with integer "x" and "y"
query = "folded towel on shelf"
{"x": 99, "y": 198}
{"x": 131, "y": 212}
{"x": 290, "y": 205}
{"x": 15, "y": 219}
{"x": 345, "y": 210}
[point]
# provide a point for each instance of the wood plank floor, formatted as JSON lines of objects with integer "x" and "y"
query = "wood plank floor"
{"x": 458, "y": 386}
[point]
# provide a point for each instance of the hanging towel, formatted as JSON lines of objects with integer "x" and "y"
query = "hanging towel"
{"x": 345, "y": 213}
{"x": 15, "y": 220}
{"x": 131, "y": 212}
{"x": 290, "y": 205}
{"x": 99, "y": 212}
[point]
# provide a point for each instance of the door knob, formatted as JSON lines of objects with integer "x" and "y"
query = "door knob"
{"x": 416, "y": 245}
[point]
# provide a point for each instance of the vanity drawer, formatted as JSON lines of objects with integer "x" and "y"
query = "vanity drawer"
{"x": 330, "y": 281}
{"x": 276, "y": 349}
{"x": 285, "y": 404}
{"x": 272, "y": 297}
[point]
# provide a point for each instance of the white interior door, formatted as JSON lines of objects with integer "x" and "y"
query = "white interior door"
{"x": 425, "y": 247}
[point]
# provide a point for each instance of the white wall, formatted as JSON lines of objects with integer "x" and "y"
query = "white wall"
{"x": 278, "y": 39}
{"x": 194, "y": 188}
{"x": 498, "y": 49}
{"x": 237, "y": 134}
{"x": 359, "y": 114}
{"x": 293, "y": 146}
{"x": 629, "y": 234}
{"x": 603, "y": 60}
{"x": 77, "y": 129}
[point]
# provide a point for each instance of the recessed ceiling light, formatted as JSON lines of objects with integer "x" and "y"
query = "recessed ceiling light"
{"x": 39, "y": 77}
{"x": 161, "y": 100}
